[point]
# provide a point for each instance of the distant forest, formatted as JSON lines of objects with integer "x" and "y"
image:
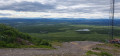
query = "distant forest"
{"x": 102, "y": 22}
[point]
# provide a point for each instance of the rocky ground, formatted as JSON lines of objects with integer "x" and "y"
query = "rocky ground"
{"x": 76, "y": 48}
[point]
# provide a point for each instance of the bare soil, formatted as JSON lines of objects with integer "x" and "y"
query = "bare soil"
{"x": 76, "y": 48}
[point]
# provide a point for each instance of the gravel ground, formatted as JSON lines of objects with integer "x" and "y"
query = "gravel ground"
{"x": 76, "y": 48}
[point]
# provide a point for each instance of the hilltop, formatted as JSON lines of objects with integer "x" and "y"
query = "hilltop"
{"x": 74, "y": 48}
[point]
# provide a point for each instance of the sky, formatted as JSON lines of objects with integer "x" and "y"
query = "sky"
{"x": 90, "y": 9}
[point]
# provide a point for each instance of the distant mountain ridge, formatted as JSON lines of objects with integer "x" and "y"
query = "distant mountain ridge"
{"x": 45, "y": 18}
{"x": 14, "y": 21}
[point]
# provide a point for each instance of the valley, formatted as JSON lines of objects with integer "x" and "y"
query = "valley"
{"x": 58, "y": 37}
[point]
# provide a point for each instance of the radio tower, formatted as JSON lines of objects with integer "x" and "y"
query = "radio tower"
{"x": 112, "y": 13}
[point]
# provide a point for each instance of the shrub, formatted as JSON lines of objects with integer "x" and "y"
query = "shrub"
{"x": 90, "y": 53}
{"x": 2, "y": 44}
{"x": 117, "y": 45}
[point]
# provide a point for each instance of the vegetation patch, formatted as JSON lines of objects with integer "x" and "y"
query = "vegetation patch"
{"x": 117, "y": 45}
{"x": 91, "y": 53}
{"x": 12, "y": 38}
{"x": 69, "y": 33}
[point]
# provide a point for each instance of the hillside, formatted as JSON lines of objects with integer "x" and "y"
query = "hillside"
{"x": 12, "y": 38}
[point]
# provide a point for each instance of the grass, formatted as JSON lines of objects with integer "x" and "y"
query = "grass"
{"x": 71, "y": 36}
{"x": 91, "y": 53}
{"x": 117, "y": 45}
{"x": 56, "y": 43}
{"x": 113, "y": 49}
{"x": 97, "y": 33}
{"x": 34, "y": 46}
{"x": 110, "y": 45}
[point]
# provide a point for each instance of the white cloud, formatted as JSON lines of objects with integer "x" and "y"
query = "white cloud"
{"x": 15, "y": 14}
{"x": 57, "y": 8}
{"x": 41, "y": 1}
{"x": 73, "y": 7}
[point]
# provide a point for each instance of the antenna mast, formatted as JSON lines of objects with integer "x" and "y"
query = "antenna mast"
{"x": 112, "y": 12}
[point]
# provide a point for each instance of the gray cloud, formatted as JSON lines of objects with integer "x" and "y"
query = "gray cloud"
{"x": 95, "y": 5}
{"x": 61, "y": 6}
{"x": 27, "y": 6}
{"x": 5, "y": 14}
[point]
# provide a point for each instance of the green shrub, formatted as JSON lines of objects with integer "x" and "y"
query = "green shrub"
{"x": 11, "y": 45}
{"x": 96, "y": 48}
{"x": 105, "y": 54}
{"x": 45, "y": 43}
{"x": 90, "y": 53}
{"x": 117, "y": 45}
{"x": 2, "y": 44}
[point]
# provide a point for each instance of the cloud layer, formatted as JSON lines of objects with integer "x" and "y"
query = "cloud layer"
{"x": 57, "y": 8}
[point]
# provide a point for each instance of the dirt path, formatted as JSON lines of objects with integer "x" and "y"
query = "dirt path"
{"x": 76, "y": 48}
{"x": 85, "y": 45}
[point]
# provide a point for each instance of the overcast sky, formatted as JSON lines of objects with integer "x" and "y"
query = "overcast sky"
{"x": 91, "y": 9}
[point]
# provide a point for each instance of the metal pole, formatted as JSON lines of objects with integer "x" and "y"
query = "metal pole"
{"x": 113, "y": 13}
